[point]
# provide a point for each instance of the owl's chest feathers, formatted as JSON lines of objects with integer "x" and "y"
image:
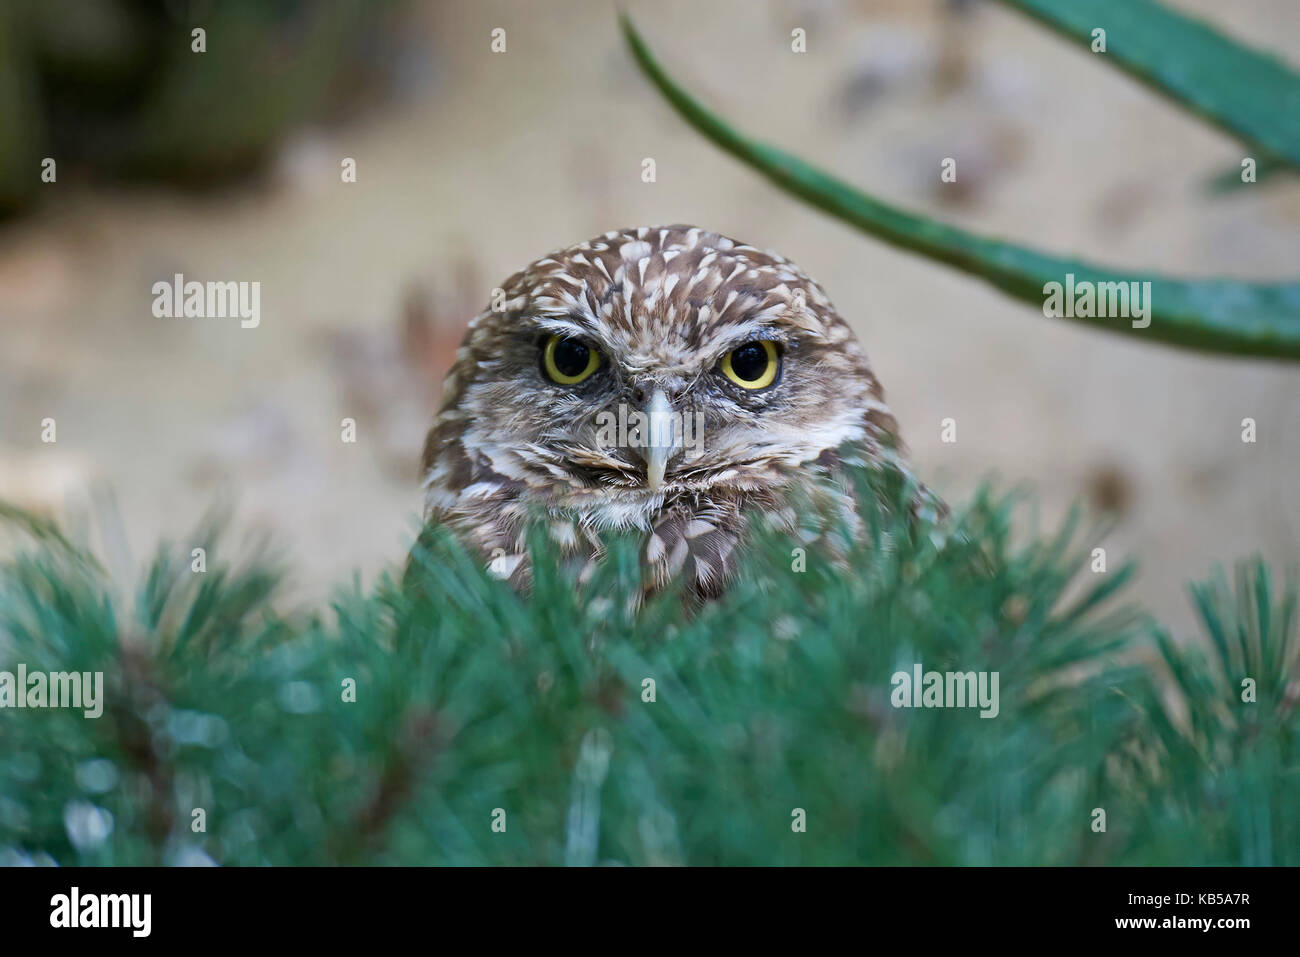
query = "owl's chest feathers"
{"x": 686, "y": 532}
{"x": 498, "y": 517}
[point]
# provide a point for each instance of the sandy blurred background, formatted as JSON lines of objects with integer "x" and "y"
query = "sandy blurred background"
{"x": 471, "y": 164}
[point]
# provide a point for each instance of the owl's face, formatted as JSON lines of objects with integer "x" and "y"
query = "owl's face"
{"x": 646, "y": 365}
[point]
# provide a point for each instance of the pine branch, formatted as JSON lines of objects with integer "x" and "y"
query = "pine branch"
{"x": 476, "y": 704}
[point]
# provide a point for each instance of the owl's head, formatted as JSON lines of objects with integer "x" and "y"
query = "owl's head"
{"x": 647, "y": 364}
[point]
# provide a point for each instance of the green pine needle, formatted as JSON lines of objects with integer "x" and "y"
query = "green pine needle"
{"x": 470, "y": 698}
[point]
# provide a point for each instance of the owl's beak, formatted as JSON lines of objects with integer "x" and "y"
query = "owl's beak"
{"x": 664, "y": 440}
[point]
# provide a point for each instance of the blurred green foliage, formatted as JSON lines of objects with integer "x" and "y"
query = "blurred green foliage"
{"x": 114, "y": 87}
{"x": 1250, "y": 94}
{"x": 471, "y": 697}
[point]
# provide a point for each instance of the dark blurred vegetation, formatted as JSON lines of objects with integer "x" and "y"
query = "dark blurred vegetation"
{"x": 112, "y": 88}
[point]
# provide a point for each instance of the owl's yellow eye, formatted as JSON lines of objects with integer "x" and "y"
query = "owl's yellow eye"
{"x": 753, "y": 366}
{"x": 568, "y": 361}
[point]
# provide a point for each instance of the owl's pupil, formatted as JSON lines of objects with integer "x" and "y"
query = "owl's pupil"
{"x": 571, "y": 356}
{"x": 749, "y": 362}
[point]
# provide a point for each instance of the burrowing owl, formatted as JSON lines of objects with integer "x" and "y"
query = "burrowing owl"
{"x": 665, "y": 380}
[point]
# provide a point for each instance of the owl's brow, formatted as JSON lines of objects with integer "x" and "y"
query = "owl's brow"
{"x": 573, "y": 325}
{"x": 729, "y": 337}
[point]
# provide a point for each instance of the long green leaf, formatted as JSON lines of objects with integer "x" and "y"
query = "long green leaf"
{"x": 1216, "y": 315}
{"x": 1267, "y": 167}
{"x": 1247, "y": 93}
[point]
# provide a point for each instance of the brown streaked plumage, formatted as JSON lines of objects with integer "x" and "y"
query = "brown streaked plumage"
{"x": 663, "y": 307}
